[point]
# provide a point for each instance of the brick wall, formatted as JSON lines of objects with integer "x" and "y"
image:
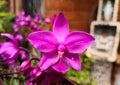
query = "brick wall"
{"x": 78, "y": 12}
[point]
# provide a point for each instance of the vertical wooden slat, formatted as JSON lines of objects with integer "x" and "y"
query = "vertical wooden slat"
{"x": 12, "y": 9}
{"x": 18, "y": 6}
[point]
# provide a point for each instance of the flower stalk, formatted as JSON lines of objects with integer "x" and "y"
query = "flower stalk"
{"x": 10, "y": 73}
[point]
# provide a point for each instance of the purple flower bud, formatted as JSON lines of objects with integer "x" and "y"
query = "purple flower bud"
{"x": 37, "y": 18}
{"x": 33, "y": 26}
{"x": 22, "y": 23}
{"x": 15, "y": 27}
{"x": 19, "y": 37}
{"x": 22, "y": 15}
{"x": 47, "y": 20}
{"x": 28, "y": 18}
{"x": 18, "y": 21}
{"x": 23, "y": 55}
{"x": 25, "y": 65}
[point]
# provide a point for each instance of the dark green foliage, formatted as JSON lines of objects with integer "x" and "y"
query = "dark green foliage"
{"x": 3, "y": 6}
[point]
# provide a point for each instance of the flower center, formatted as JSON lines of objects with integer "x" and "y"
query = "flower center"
{"x": 61, "y": 49}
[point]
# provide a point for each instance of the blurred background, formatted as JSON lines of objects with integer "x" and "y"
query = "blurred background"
{"x": 80, "y": 14}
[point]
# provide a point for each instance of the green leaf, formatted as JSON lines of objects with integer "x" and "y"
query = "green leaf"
{"x": 4, "y": 14}
{"x": 11, "y": 81}
{"x": 93, "y": 83}
{"x": 1, "y": 28}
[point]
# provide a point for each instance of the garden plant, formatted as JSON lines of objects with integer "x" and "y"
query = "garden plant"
{"x": 33, "y": 55}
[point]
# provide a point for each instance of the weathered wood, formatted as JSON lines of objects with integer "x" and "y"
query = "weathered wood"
{"x": 12, "y": 6}
{"x": 18, "y": 6}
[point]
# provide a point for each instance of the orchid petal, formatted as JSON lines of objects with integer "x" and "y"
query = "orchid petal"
{"x": 11, "y": 37}
{"x": 60, "y": 66}
{"x": 72, "y": 60}
{"x": 43, "y": 41}
{"x": 48, "y": 59}
{"x": 9, "y": 52}
{"x": 8, "y": 47}
{"x": 78, "y": 42}
{"x": 60, "y": 27}
{"x": 12, "y": 54}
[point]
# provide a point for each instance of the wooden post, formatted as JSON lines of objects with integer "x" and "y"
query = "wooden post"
{"x": 18, "y": 6}
{"x": 12, "y": 6}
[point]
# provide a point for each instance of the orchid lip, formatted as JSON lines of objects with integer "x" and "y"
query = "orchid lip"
{"x": 60, "y": 54}
{"x": 61, "y": 49}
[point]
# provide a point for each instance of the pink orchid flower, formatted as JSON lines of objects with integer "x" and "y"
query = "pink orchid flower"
{"x": 60, "y": 48}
